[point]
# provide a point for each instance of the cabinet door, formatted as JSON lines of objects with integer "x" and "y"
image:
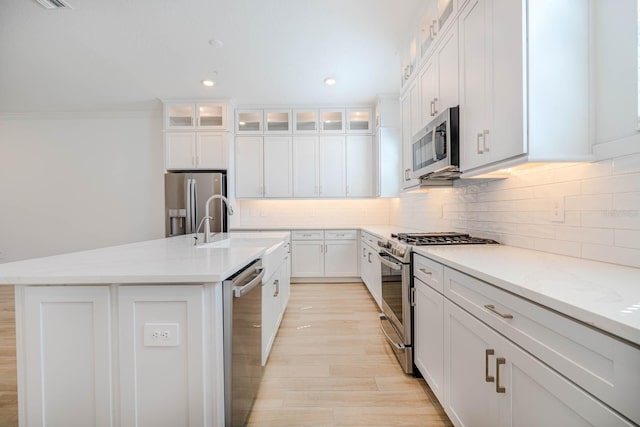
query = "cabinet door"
{"x": 359, "y": 120}
{"x": 179, "y": 150}
{"x": 374, "y": 267}
{"x": 271, "y": 306}
{"x": 359, "y": 166}
{"x": 277, "y": 121}
{"x": 249, "y": 177}
{"x": 332, "y": 120}
{"x": 66, "y": 342}
{"x": 277, "y": 167}
{"x": 428, "y": 341}
{"x": 364, "y": 267}
{"x": 212, "y": 116}
{"x": 469, "y": 399}
{"x": 179, "y": 116}
{"x": 474, "y": 55}
{"x": 407, "y": 151}
{"x": 305, "y": 167}
{"x": 428, "y": 91}
{"x": 305, "y": 121}
{"x": 249, "y": 122}
{"x": 307, "y": 258}
{"x": 416, "y": 114}
{"x": 341, "y": 258}
{"x": 448, "y": 75}
{"x": 211, "y": 150}
{"x": 161, "y": 381}
{"x": 332, "y": 166}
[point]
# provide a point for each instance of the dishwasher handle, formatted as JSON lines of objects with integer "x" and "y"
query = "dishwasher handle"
{"x": 240, "y": 291}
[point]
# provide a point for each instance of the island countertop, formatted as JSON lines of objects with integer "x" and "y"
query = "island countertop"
{"x": 168, "y": 260}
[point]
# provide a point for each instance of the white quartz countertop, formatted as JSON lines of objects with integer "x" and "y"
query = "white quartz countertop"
{"x": 606, "y": 296}
{"x": 170, "y": 260}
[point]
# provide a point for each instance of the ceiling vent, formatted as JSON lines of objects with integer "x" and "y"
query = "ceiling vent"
{"x": 55, "y": 4}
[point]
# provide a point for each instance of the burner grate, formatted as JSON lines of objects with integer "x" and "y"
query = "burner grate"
{"x": 424, "y": 239}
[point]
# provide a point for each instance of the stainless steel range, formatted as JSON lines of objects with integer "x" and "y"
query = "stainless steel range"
{"x": 396, "y": 318}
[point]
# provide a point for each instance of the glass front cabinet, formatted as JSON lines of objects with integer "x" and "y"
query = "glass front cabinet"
{"x": 183, "y": 116}
{"x": 277, "y": 121}
{"x": 249, "y": 122}
{"x": 305, "y": 121}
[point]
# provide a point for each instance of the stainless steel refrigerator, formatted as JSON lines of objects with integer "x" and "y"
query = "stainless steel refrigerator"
{"x": 185, "y": 194}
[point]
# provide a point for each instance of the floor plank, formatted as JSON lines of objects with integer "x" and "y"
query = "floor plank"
{"x": 331, "y": 366}
{"x": 8, "y": 376}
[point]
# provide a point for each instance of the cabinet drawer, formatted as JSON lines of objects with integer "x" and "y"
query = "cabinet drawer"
{"x": 307, "y": 235}
{"x": 430, "y": 272}
{"x": 369, "y": 238}
{"x": 341, "y": 234}
{"x": 604, "y": 366}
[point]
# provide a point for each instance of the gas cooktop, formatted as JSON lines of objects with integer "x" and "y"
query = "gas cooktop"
{"x": 424, "y": 239}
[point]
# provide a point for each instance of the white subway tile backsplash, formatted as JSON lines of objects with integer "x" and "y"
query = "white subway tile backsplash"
{"x": 614, "y": 219}
{"x": 612, "y": 184}
{"x": 601, "y": 236}
{"x": 627, "y": 238}
{"x": 560, "y": 247}
{"x": 614, "y": 254}
{"x": 626, "y": 164}
{"x": 595, "y": 202}
{"x": 627, "y": 202}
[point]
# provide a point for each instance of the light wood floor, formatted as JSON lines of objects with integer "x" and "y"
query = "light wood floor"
{"x": 331, "y": 366}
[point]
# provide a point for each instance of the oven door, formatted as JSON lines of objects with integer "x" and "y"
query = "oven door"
{"x": 395, "y": 295}
{"x": 395, "y": 319}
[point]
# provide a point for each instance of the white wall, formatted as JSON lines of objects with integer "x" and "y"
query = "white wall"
{"x": 70, "y": 182}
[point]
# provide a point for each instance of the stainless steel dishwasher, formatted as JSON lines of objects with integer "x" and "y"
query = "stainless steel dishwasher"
{"x": 242, "y": 324}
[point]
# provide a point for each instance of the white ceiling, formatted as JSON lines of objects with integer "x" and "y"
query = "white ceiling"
{"x": 125, "y": 54}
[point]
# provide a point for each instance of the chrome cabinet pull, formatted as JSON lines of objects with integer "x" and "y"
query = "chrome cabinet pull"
{"x": 492, "y": 308}
{"x": 369, "y": 258}
{"x": 480, "y": 150}
{"x": 405, "y": 174}
{"x": 424, "y": 270}
{"x": 499, "y": 361}
{"x": 413, "y": 297}
{"x": 435, "y": 106}
{"x": 488, "y": 352}
{"x": 364, "y": 250}
{"x": 277, "y": 284}
{"x": 433, "y": 27}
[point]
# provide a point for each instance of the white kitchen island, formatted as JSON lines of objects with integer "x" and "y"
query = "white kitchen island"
{"x": 128, "y": 335}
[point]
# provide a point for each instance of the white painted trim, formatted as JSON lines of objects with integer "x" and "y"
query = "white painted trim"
{"x": 20, "y": 355}
{"x": 151, "y": 113}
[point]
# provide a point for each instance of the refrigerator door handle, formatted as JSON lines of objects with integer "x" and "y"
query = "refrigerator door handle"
{"x": 189, "y": 220}
{"x": 194, "y": 208}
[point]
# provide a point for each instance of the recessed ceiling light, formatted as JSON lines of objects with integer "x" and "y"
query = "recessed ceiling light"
{"x": 216, "y": 42}
{"x": 330, "y": 81}
{"x": 208, "y": 83}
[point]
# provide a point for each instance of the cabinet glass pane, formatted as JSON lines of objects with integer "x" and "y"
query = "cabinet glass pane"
{"x": 445, "y": 9}
{"x": 306, "y": 120}
{"x": 277, "y": 121}
{"x": 210, "y": 115}
{"x": 180, "y": 115}
{"x": 332, "y": 120}
{"x": 249, "y": 121}
{"x": 358, "y": 120}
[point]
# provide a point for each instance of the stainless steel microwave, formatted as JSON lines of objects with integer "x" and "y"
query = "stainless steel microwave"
{"x": 436, "y": 148}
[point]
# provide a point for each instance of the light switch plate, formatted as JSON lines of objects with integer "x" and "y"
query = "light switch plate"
{"x": 161, "y": 334}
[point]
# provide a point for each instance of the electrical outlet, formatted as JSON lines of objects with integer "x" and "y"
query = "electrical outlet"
{"x": 161, "y": 334}
{"x": 557, "y": 209}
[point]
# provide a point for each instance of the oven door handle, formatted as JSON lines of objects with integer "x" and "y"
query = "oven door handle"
{"x": 398, "y": 346}
{"x": 391, "y": 265}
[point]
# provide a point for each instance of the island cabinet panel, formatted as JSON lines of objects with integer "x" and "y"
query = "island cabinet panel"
{"x": 65, "y": 356}
{"x": 161, "y": 355}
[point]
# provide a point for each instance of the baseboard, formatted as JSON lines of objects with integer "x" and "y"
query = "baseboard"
{"x": 326, "y": 280}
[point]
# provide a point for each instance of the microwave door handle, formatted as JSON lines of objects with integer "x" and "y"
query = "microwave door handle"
{"x": 433, "y": 144}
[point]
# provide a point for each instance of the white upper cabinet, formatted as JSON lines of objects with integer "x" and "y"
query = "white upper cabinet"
{"x": 277, "y": 166}
{"x": 249, "y": 167}
{"x": 332, "y": 120}
{"x": 406, "y": 136}
{"x": 305, "y": 121}
{"x": 249, "y": 122}
{"x": 438, "y": 15}
{"x": 332, "y": 166}
{"x": 180, "y": 150}
{"x": 359, "y": 166}
{"x": 197, "y": 115}
{"x": 359, "y": 120}
{"x": 439, "y": 78}
{"x": 306, "y": 172}
{"x": 196, "y": 150}
{"x": 277, "y": 121}
{"x": 512, "y": 68}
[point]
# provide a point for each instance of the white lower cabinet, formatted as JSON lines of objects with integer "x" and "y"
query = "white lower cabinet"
{"x": 275, "y": 296}
{"x": 64, "y": 357}
{"x": 428, "y": 341}
{"x": 161, "y": 379}
{"x": 324, "y": 253}
{"x": 139, "y": 355}
{"x": 370, "y": 269}
{"x": 492, "y": 382}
